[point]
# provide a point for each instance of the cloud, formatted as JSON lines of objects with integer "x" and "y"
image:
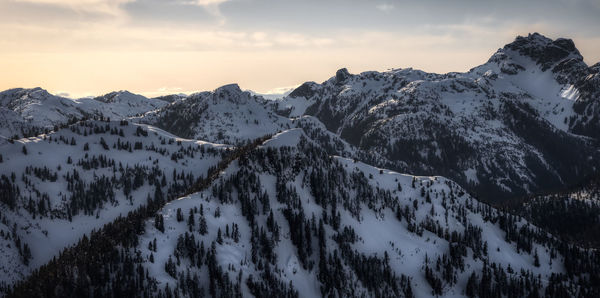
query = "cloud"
{"x": 281, "y": 90}
{"x": 275, "y": 93}
{"x": 385, "y": 7}
{"x": 211, "y": 6}
{"x": 205, "y": 2}
{"x": 146, "y": 12}
{"x": 180, "y": 12}
{"x": 112, "y": 7}
{"x": 63, "y": 94}
{"x": 166, "y": 91}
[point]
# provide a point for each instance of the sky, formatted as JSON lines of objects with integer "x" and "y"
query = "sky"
{"x": 82, "y": 48}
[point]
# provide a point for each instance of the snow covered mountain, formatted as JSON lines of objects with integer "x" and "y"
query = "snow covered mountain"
{"x": 55, "y": 188}
{"x": 123, "y": 104}
{"x": 502, "y": 129}
{"x": 285, "y": 219}
{"x": 225, "y": 115}
{"x": 230, "y": 115}
{"x": 29, "y": 112}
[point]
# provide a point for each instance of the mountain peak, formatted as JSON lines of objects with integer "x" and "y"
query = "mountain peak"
{"x": 230, "y": 88}
{"x": 37, "y": 89}
{"x": 231, "y": 93}
{"x": 34, "y": 93}
{"x": 559, "y": 55}
{"x": 118, "y": 93}
{"x": 118, "y": 96}
{"x": 342, "y": 74}
{"x": 532, "y": 39}
{"x": 543, "y": 50}
{"x": 306, "y": 90}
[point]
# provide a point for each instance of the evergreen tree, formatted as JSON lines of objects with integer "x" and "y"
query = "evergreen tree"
{"x": 219, "y": 237}
{"x": 179, "y": 215}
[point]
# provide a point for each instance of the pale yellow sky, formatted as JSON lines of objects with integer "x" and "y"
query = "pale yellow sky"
{"x": 93, "y": 47}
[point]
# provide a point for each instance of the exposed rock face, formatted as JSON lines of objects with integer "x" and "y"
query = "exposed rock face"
{"x": 305, "y": 90}
{"x": 587, "y": 105}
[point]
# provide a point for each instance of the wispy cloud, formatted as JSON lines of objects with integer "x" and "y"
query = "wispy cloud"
{"x": 385, "y": 7}
{"x": 211, "y": 6}
{"x": 63, "y": 94}
{"x": 166, "y": 91}
{"x": 112, "y": 7}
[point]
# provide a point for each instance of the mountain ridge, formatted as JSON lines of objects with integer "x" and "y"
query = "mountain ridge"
{"x": 530, "y": 87}
{"x": 525, "y": 96}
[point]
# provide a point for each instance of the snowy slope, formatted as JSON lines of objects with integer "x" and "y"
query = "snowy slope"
{"x": 286, "y": 219}
{"x": 367, "y": 199}
{"x": 47, "y": 209}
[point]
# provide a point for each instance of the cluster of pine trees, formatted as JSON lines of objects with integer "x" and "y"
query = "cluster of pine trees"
{"x": 108, "y": 264}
